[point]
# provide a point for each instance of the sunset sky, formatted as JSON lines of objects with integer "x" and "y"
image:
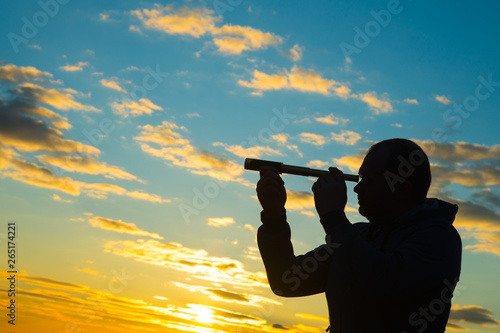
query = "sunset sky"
{"x": 124, "y": 126}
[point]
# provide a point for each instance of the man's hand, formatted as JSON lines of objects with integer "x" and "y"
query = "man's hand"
{"x": 271, "y": 192}
{"x": 330, "y": 192}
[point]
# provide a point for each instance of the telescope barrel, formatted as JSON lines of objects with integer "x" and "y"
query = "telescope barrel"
{"x": 255, "y": 164}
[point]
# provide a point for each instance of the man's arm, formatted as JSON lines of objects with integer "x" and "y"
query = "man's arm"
{"x": 291, "y": 275}
{"x": 288, "y": 275}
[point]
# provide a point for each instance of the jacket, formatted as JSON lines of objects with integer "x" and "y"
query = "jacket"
{"x": 396, "y": 277}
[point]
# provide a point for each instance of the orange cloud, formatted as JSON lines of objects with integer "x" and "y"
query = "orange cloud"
{"x": 375, "y": 103}
{"x": 196, "y": 263}
{"x": 299, "y": 200}
{"x": 183, "y": 21}
{"x": 410, "y": 101}
{"x": 120, "y": 226}
{"x": 297, "y": 79}
{"x": 27, "y": 127}
{"x": 473, "y": 314}
{"x": 459, "y": 151}
{"x": 349, "y": 138}
{"x": 314, "y": 139}
{"x": 74, "y": 68}
{"x": 331, "y": 120}
{"x": 86, "y": 165}
{"x": 234, "y": 39}
{"x": 198, "y": 22}
{"x": 295, "y": 53}
{"x": 129, "y": 107}
{"x": 263, "y": 81}
{"x": 224, "y": 295}
{"x": 311, "y": 317}
{"x": 32, "y": 174}
{"x": 60, "y": 99}
{"x": 317, "y": 164}
{"x": 442, "y": 99}
{"x": 309, "y": 81}
{"x": 102, "y": 191}
{"x": 179, "y": 151}
{"x": 13, "y": 74}
{"x": 351, "y": 162}
{"x": 220, "y": 221}
{"x": 58, "y": 198}
{"x": 111, "y": 84}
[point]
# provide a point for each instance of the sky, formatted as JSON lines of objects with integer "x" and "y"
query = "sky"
{"x": 124, "y": 126}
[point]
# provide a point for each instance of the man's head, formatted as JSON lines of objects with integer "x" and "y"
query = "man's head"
{"x": 394, "y": 177}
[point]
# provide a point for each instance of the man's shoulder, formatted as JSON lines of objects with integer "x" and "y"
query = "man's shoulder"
{"x": 361, "y": 227}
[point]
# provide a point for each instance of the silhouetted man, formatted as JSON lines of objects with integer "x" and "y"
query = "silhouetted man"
{"x": 396, "y": 273}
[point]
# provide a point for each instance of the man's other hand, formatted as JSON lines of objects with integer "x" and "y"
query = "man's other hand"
{"x": 330, "y": 192}
{"x": 271, "y": 192}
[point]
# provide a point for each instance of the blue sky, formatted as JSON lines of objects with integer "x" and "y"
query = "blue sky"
{"x": 124, "y": 126}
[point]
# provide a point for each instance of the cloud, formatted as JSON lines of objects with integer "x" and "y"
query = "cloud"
{"x": 346, "y": 137}
{"x": 173, "y": 147}
{"x": 30, "y": 173}
{"x": 309, "y": 81}
{"x": 375, "y": 103}
{"x": 317, "y": 164}
{"x": 134, "y": 108}
{"x": 198, "y": 22}
{"x": 196, "y": 263}
{"x": 135, "y": 29}
{"x": 13, "y": 74}
{"x": 473, "y": 314}
{"x": 263, "y": 81}
{"x": 27, "y": 126}
{"x": 299, "y": 200}
{"x": 224, "y": 295}
{"x": 86, "y": 165}
{"x": 311, "y": 317}
{"x": 220, "y": 221}
{"x": 331, "y": 120}
{"x": 352, "y": 162}
{"x": 410, "y": 101}
{"x": 479, "y": 222}
{"x": 297, "y": 79}
{"x": 314, "y": 139}
{"x": 23, "y": 127}
{"x": 283, "y": 140}
{"x": 280, "y": 138}
{"x": 57, "y": 301}
{"x": 62, "y": 99}
{"x": 459, "y": 151}
{"x": 234, "y": 39}
{"x": 111, "y": 84}
{"x": 74, "y": 68}
{"x": 463, "y": 163}
{"x": 119, "y": 226}
{"x": 252, "y": 253}
{"x": 58, "y": 198}
{"x": 88, "y": 271}
{"x": 295, "y": 53}
{"x": 442, "y": 99}
{"x": 349, "y": 138}
{"x": 183, "y": 21}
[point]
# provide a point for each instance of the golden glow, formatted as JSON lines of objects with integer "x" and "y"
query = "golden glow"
{"x": 205, "y": 315}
